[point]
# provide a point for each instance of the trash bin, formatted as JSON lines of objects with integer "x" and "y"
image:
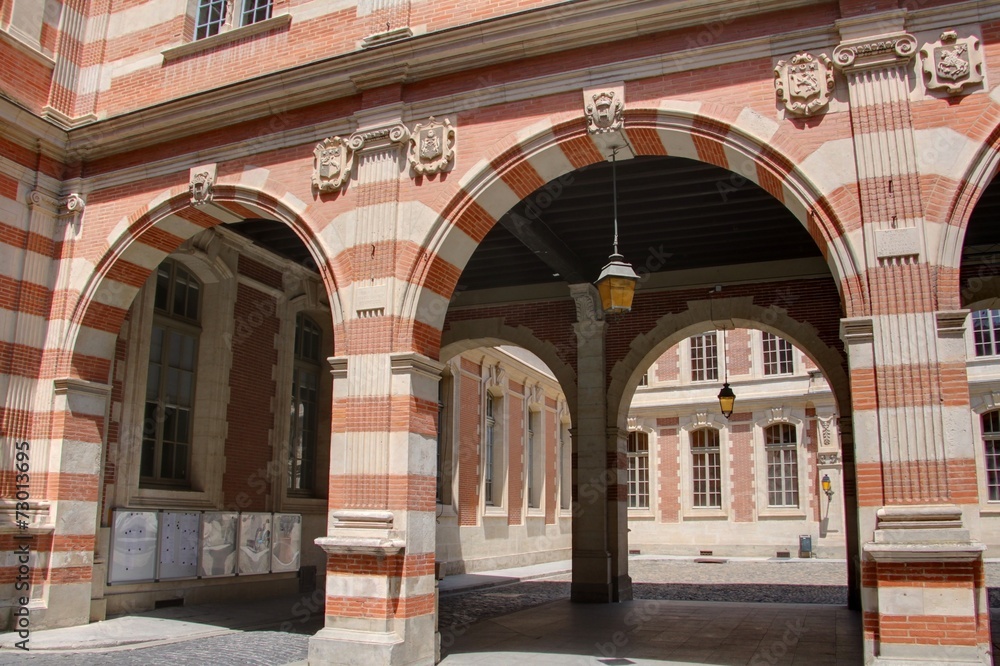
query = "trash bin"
{"x": 805, "y": 545}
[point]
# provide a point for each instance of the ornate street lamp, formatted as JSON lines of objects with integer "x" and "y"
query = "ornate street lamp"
{"x": 616, "y": 284}
{"x": 727, "y": 399}
{"x": 827, "y": 486}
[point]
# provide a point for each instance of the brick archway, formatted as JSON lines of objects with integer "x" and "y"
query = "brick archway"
{"x": 524, "y": 162}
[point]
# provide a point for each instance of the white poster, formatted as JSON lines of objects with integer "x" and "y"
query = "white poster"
{"x": 179, "y": 544}
{"x": 218, "y": 544}
{"x": 255, "y": 543}
{"x": 133, "y": 547}
{"x": 287, "y": 537}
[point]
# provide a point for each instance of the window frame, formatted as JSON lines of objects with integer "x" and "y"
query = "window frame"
{"x": 534, "y": 458}
{"x": 807, "y": 496}
{"x": 635, "y": 458}
{"x": 698, "y": 353}
{"x": 994, "y": 437}
{"x": 207, "y": 457}
{"x": 782, "y": 448}
{"x": 302, "y": 364}
{"x": 775, "y": 367}
{"x": 992, "y": 317}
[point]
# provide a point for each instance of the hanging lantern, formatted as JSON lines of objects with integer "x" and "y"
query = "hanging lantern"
{"x": 727, "y": 400}
{"x": 616, "y": 283}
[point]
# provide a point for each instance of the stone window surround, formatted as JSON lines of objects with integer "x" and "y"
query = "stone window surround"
{"x": 758, "y": 367}
{"x": 564, "y": 475}
{"x": 534, "y": 402}
{"x": 287, "y": 311}
{"x": 687, "y": 371}
{"x": 229, "y": 33}
{"x": 647, "y": 513}
{"x": 982, "y": 403}
{"x": 686, "y": 426}
{"x": 452, "y": 371}
{"x": 498, "y": 509}
{"x": 207, "y": 457}
{"x": 763, "y": 511}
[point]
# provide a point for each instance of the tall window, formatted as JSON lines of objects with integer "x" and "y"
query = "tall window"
{"x": 566, "y": 467}
{"x": 173, "y": 350}
{"x": 782, "y": 466}
{"x": 255, "y": 11}
{"x": 704, "y": 358}
{"x": 638, "y": 470}
{"x": 991, "y": 442}
{"x": 210, "y": 18}
{"x": 644, "y": 380}
{"x": 489, "y": 451}
{"x": 441, "y": 436}
{"x": 706, "y": 470}
{"x": 303, "y": 435}
{"x": 777, "y": 355}
{"x": 533, "y": 458}
{"x": 986, "y": 332}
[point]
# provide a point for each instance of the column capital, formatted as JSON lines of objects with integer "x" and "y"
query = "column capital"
{"x": 587, "y": 300}
{"x": 415, "y": 363}
{"x": 885, "y": 50}
{"x": 855, "y": 330}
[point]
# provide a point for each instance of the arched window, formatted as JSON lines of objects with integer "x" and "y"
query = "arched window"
{"x": 706, "y": 468}
{"x": 991, "y": 445}
{"x": 638, "y": 470}
{"x": 782, "y": 465}
{"x": 303, "y": 430}
{"x": 170, "y": 382}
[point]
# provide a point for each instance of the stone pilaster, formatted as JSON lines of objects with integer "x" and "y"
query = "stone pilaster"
{"x": 921, "y": 565}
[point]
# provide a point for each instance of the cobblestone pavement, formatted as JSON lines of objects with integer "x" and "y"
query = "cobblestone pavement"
{"x": 796, "y": 582}
{"x": 250, "y": 648}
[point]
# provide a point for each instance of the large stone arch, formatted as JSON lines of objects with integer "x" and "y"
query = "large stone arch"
{"x": 465, "y": 335}
{"x": 739, "y": 312}
{"x": 548, "y": 150}
{"x": 140, "y": 241}
{"x": 952, "y": 199}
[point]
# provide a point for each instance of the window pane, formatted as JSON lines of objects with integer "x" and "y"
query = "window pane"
{"x": 162, "y": 287}
{"x": 704, "y": 358}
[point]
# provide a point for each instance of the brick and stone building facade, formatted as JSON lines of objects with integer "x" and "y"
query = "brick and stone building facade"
{"x": 409, "y": 148}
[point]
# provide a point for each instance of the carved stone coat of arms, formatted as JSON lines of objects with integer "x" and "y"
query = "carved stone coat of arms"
{"x": 332, "y": 164}
{"x": 804, "y": 83}
{"x": 605, "y": 113}
{"x": 432, "y": 147}
{"x": 952, "y": 62}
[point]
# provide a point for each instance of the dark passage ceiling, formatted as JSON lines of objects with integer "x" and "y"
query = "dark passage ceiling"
{"x": 695, "y": 214}
{"x": 699, "y": 214}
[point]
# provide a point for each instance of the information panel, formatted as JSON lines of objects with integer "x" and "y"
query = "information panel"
{"x": 133, "y": 547}
{"x": 218, "y": 544}
{"x": 255, "y": 543}
{"x": 179, "y": 544}
{"x": 287, "y": 542}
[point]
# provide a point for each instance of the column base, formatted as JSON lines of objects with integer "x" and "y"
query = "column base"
{"x": 623, "y": 588}
{"x": 346, "y": 647}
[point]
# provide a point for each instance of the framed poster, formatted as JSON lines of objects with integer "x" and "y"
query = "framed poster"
{"x": 255, "y": 543}
{"x": 287, "y": 537}
{"x": 179, "y": 544}
{"x": 218, "y": 544}
{"x": 133, "y": 546}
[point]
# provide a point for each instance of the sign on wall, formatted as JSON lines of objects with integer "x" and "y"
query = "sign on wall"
{"x": 179, "y": 544}
{"x": 255, "y": 543}
{"x": 218, "y": 544}
{"x": 287, "y": 535}
{"x": 133, "y": 547}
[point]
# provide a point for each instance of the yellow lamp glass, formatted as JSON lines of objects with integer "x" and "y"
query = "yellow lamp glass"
{"x": 727, "y": 400}
{"x": 616, "y": 285}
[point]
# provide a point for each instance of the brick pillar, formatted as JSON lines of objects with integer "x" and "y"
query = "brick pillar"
{"x": 596, "y": 484}
{"x": 921, "y": 567}
{"x": 380, "y": 586}
{"x": 51, "y": 457}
